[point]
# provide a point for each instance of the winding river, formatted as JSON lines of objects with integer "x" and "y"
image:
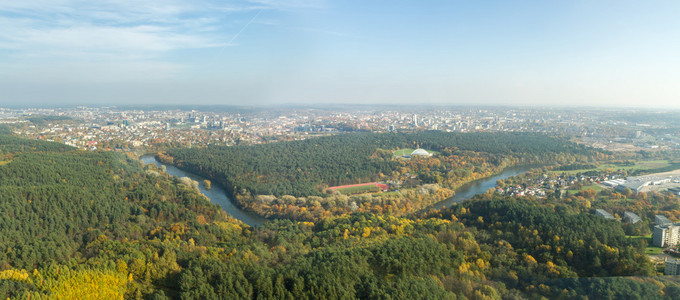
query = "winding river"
{"x": 219, "y": 196}
{"x": 479, "y": 186}
{"x": 216, "y": 194}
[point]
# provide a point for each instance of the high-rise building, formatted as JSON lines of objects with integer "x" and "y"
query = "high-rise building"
{"x": 672, "y": 266}
{"x": 664, "y": 236}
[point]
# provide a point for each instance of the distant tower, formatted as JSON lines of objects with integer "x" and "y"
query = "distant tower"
{"x": 415, "y": 120}
{"x": 167, "y": 126}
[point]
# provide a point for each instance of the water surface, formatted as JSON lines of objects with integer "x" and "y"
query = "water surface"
{"x": 216, "y": 194}
{"x": 219, "y": 196}
{"x": 480, "y": 186}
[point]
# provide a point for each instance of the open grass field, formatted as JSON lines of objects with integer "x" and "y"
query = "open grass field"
{"x": 595, "y": 187}
{"x": 402, "y": 152}
{"x": 640, "y": 165}
{"x": 653, "y": 250}
{"x": 650, "y": 250}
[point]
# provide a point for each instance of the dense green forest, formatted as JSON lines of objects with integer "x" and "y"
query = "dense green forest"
{"x": 296, "y": 172}
{"x": 99, "y": 225}
{"x": 57, "y": 202}
{"x": 300, "y": 168}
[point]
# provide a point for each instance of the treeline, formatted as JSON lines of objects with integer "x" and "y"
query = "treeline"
{"x": 303, "y": 168}
{"x": 11, "y": 144}
{"x": 571, "y": 167}
{"x": 43, "y": 120}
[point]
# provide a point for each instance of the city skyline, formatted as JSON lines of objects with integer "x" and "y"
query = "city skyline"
{"x": 262, "y": 52}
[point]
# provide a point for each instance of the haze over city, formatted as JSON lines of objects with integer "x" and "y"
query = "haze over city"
{"x": 260, "y": 52}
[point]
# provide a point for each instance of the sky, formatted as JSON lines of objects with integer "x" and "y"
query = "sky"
{"x": 263, "y": 52}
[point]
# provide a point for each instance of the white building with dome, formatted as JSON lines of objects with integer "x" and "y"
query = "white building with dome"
{"x": 421, "y": 152}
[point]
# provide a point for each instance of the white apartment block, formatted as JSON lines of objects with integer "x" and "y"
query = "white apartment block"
{"x": 667, "y": 235}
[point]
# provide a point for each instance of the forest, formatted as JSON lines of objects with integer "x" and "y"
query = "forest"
{"x": 304, "y": 169}
{"x": 300, "y": 168}
{"x": 99, "y": 225}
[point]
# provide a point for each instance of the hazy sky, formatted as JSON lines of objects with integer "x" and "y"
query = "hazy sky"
{"x": 295, "y": 51}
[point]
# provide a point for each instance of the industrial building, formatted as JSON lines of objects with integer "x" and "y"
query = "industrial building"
{"x": 614, "y": 182}
{"x": 636, "y": 184}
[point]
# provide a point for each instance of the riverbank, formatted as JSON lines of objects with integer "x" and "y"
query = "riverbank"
{"x": 312, "y": 208}
{"x": 479, "y": 186}
{"x": 217, "y": 194}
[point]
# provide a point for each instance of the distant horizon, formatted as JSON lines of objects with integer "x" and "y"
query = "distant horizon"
{"x": 262, "y": 52}
{"x": 396, "y": 106}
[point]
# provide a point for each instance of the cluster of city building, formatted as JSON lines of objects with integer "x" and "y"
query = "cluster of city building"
{"x": 139, "y": 127}
{"x": 544, "y": 184}
{"x": 518, "y": 190}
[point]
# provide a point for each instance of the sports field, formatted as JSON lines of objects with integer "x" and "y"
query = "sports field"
{"x": 358, "y": 189}
{"x": 402, "y": 152}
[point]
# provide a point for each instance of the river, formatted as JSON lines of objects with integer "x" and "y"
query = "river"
{"x": 480, "y": 186}
{"x": 219, "y": 196}
{"x": 216, "y": 194}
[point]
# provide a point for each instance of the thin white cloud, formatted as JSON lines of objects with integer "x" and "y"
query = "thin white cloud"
{"x": 290, "y": 4}
{"x": 143, "y": 39}
{"x": 129, "y": 28}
